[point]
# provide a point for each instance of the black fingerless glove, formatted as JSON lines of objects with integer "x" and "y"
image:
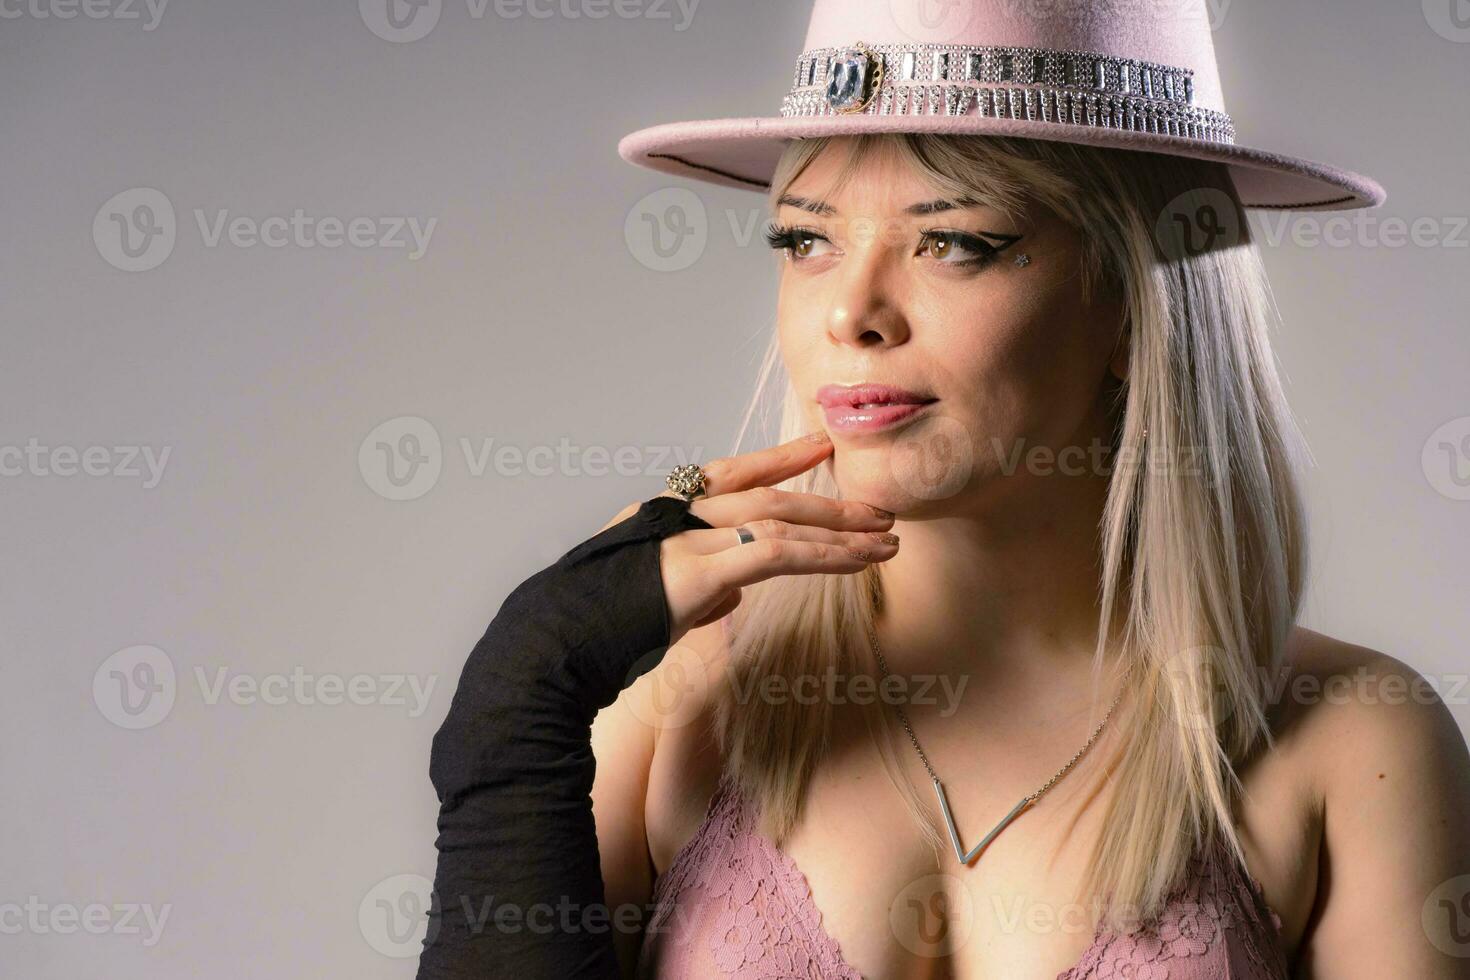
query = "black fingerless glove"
{"x": 518, "y": 891}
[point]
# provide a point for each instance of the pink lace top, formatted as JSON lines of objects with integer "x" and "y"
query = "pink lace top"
{"x": 734, "y": 905}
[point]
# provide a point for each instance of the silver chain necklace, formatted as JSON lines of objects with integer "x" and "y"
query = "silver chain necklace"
{"x": 965, "y": 857}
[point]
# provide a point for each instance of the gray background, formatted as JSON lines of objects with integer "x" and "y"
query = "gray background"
{"x": 274, "y": 833}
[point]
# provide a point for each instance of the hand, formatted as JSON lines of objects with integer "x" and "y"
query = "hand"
{"x": 704, "y": 569}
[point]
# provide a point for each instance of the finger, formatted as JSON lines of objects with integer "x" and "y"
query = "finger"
{"x": 732, "y": 509}
{"x": 707, "y": 542}
{"x": 726, "y": 607}
{"x": 735, "y": 568}
{"x": 763, "y": 467}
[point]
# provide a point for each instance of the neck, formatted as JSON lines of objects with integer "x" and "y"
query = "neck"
{"x": 1006, "y": 595}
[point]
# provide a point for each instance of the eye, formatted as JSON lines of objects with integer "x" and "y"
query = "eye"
{"x": 799, "y": 242}
{"x": 959, "y": 248}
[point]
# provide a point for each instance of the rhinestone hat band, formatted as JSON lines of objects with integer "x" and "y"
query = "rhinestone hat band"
{"x": 1079, "y": 87}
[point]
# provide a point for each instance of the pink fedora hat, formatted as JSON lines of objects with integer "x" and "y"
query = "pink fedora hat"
{"x": 1137, "y": 76}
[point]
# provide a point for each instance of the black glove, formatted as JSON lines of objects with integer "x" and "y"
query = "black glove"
{"x": 518, "y": 891}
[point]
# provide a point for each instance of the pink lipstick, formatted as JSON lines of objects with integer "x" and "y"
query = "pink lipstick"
{"x": 869, "y": 407}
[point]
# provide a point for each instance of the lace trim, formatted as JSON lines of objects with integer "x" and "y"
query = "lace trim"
{"x": 765, "y": 923}
{"x": 1219, "y": 903}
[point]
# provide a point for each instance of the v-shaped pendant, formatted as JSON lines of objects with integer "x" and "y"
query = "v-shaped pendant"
{"x": 954, "y": 834}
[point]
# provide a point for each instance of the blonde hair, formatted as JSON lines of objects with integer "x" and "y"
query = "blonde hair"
{"x": 1202, "y": 565}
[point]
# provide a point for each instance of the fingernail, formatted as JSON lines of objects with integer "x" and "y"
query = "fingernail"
{"x": 888, "y": 514}
{"x": 818, "y": 436}
{"x": 884, "y": 536}
{"x": 860, "y": 554}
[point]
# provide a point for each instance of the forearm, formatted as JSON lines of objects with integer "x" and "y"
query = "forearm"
{"x": 518, "y": 891}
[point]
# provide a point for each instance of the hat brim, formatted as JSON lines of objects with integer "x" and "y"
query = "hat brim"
{"x": 743, "y": 152}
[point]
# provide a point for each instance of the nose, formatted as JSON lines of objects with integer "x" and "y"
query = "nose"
{"x": 864, "y": 311}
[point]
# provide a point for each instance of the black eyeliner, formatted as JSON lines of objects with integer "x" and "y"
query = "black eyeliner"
{"x": 780, "y": 236}
{"x": 987, "y": 252}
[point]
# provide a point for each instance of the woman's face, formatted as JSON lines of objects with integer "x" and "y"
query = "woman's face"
{"x": 885, "y": 285}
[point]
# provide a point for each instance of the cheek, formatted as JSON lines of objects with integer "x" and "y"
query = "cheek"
{"x": 1015, "y": 359}
{"x": 799, "y": 331}
{"x": 982, "y": 342}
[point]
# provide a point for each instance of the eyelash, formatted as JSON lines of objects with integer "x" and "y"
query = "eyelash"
{"x": 779, "y": 236}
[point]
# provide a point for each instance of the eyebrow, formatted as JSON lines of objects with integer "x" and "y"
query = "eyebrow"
{"x": 921, "y": 208}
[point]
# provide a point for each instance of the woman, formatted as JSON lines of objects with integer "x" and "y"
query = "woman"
{"x": 1040, "y": 359}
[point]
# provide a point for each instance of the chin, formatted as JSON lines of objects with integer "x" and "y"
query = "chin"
{"x": 918, "y": 470}
{"x": 867, "y": 473}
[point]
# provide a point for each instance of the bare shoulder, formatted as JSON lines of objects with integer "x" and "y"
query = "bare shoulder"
{"x": 1381, "y": 751}
{"x": 1342, "y": 705}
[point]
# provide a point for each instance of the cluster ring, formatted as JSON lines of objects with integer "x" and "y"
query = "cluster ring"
{"x": 687, "y": 481}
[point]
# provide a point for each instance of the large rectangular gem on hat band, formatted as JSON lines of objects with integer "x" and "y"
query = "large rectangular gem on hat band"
{"x": 847, "y": 84}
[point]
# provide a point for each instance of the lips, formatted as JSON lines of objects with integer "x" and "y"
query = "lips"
{"x": 869, "y": 407}
{"x": 868, "y": 395}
